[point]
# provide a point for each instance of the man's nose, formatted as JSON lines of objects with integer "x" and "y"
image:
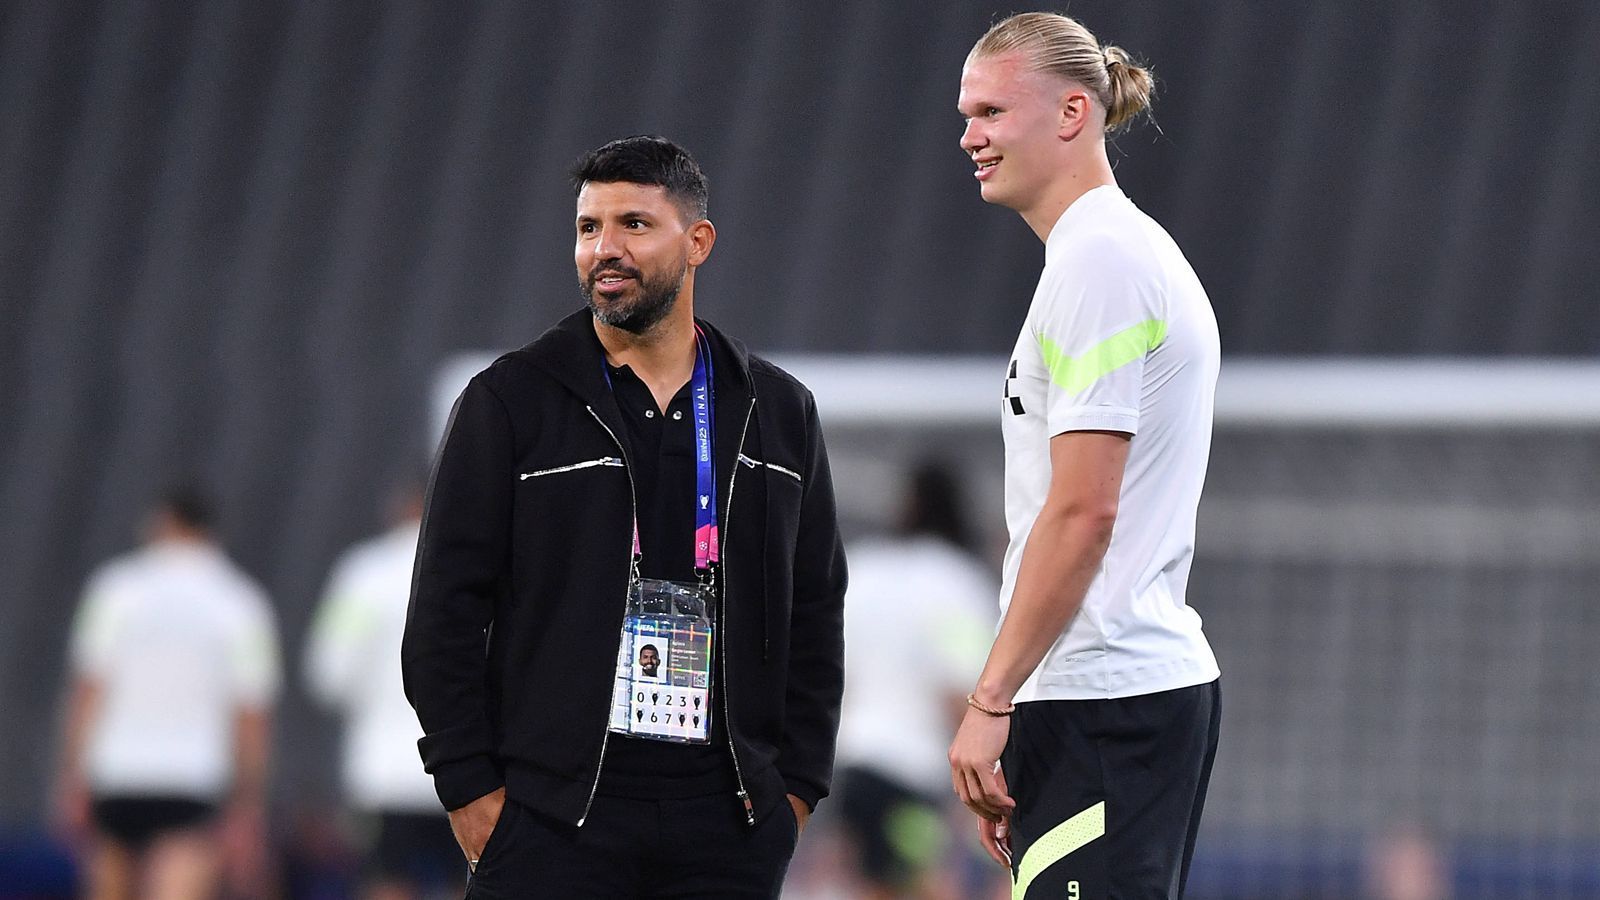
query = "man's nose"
{"x": 609, "y": 244}
{"x": 972, "y": 136}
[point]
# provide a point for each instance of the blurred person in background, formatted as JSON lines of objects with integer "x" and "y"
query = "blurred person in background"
{"x": 1099, "y": 703}
{"x": 175, "y": 668}
{"x": 353, "y": 667}
{"x": 1404, "y": 862}
{"x": 918, "y": 618}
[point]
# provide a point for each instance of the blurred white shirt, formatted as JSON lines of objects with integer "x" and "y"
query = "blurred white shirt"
{"x": 353, "y": 666}
{"x": 179, "y": 640}
{"x": 918, "y": 623}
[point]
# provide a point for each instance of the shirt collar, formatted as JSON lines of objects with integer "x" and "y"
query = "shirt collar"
{"x": 1082, "y": 211}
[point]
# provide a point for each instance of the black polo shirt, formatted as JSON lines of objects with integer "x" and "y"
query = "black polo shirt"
{"x": 660, "y": 453}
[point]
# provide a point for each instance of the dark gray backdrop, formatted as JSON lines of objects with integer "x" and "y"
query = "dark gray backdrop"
{"x": 237, "y": 237}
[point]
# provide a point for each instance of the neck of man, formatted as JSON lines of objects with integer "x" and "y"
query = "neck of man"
{"x": 173, "y": 534}
{"x": 663, "y": 356}
{"x": 1089, "y": 170}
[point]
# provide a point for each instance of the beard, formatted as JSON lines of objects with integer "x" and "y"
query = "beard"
{"x": 653, "y": 300}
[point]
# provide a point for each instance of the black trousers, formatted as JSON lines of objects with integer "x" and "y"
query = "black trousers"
{"x": 699, "y": 847}
{"x": 1109, "y": 793}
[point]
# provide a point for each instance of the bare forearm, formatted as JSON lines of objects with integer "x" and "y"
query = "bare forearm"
{"x": 1065, "y": 548}
{"x": 1060, "y": 560}
{"x": 70, "y": 794}
{"x": 252, "y": 746}
{"x": 82, "y": 705}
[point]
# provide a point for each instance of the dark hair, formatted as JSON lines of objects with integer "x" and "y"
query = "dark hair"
{"x": 651, "y": 648}
{"x": 934, "y": 505}
{"x": 187, "y": 505}
{"x": 647, "y": 159}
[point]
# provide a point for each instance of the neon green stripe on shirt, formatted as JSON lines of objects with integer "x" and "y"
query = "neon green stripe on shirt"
{"x": 1074, "y": 373}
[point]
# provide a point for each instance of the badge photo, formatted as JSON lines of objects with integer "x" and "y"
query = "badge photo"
{"x": 649, "y": 658}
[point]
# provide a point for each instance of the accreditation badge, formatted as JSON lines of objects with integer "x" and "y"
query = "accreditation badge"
{"x": 662, "y": 689}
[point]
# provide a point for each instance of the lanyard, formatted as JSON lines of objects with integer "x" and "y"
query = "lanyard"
{"x": 706, "y": 544}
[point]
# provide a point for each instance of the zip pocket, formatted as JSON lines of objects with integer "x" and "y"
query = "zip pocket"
{"x": 752, "y": 463}
{"x": 613, "y": 461}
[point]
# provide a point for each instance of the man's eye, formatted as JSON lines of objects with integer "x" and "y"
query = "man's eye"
{"x": 991, "y": 111}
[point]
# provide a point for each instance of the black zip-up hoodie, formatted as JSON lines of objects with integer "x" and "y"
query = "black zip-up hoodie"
{"x": 522, "y": 572}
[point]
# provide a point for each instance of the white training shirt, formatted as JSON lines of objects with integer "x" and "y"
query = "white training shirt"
{"x": 353, "y": 666}
{"x": 915, "y": 619}
{"x": 1120, "y": 337}
{"x": 179, "y": 640}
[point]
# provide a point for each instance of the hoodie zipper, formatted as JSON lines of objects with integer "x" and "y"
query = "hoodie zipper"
{"x": 633, "y": 565}
{"x": 722, "y": 625}
{"x": 587, "y": 464}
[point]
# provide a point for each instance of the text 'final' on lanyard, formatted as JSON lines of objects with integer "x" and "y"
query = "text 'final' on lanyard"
{"x": 706, "y": 549}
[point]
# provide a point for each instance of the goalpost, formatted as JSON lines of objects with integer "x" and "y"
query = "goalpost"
{"x": 1453, "y": 392}
{"x": 1449, "y": 392}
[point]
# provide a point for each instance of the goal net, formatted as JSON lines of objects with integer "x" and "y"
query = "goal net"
{"x": 1398, "y": 565}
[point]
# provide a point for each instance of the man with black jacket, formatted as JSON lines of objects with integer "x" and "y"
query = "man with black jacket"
{"x": 632, "y": 476}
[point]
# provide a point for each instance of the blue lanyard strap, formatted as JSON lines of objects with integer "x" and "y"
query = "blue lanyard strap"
{"x": 707, "y": 548}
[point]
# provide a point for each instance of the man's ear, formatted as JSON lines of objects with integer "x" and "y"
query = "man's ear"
{"x": 702, "y": 237}
{"x": 1076, "y": 111}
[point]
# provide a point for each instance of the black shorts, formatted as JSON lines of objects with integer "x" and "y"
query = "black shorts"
{"x": 136, "y": 821}
{"x": 417, "y": 848}
{"x": 1109, "y": 792}
{"x": 897, "y": 832}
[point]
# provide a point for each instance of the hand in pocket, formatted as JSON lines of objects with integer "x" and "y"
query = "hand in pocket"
{"x": 473, "y": 823}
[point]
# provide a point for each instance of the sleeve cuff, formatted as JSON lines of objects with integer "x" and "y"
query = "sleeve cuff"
{"x": 807, "y": 793}
{"x": 1094, "y": 419}
{"x": 461, "y": 782}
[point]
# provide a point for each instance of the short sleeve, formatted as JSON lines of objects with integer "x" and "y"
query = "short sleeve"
{"x": 342, "y": 626}
{"x": 1103, "y": 314}
{"x": 960, "y": 636}
{"x": 93, "y": 638}
{"x": 254, "y": 661}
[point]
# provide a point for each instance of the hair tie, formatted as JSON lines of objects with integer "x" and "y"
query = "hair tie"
{"x": 1112, "y": 62}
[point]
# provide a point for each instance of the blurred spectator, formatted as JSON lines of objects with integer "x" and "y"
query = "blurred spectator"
{"x": 918, "y": 622}
{"x": 353, "y": 666}
{"x": 174, "y": 661}
{"x": 1404, "y": 863}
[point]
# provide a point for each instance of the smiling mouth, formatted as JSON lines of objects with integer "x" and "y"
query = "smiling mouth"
{"x": 610, "y": 279}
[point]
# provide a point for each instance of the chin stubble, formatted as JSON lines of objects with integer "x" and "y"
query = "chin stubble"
{"x": 656, "y": 299}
